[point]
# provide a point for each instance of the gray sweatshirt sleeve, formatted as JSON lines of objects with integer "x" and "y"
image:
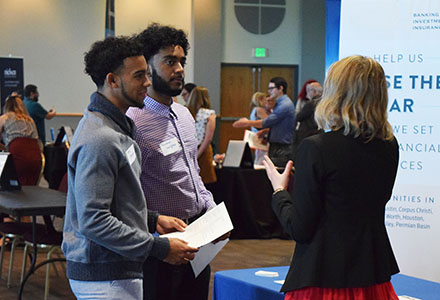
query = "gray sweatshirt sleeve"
{"x": 97, "y": 171}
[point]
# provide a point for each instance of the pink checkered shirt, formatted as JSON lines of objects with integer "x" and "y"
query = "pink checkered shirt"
{"x": 171, "y": 181}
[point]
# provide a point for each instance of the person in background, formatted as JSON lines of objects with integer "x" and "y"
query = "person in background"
{"x": 281, "y": 123}
{"x": 108, "y": 230}
{"x": 187, "y": 89}
{"x": 343, "y": 180}
{"x": 20, "y": 137}
{"x": 306, "y": 125}
{"x": 16, "y": 122}
{"x": 258, "y": 112}
{"x": 303, "y": 97}
{"x": 199, "y": 106}
{"x": 269, "y": 104}
{"x": 170, "y": 176}
{"x": 36, "y": 111}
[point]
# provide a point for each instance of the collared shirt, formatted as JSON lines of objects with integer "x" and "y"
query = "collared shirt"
{"x": 170, "y": 172}
{"x": 281, "y": 121}
{"x": 38, "y": 114}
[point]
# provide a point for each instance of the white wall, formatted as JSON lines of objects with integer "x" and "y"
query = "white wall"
{"x": 284, "y": 43}
{"x": 133, "y": 16}
{"x": 52, "y": 36}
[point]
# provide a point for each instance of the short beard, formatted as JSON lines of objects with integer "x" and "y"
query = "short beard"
{"x": 161, "y": 86}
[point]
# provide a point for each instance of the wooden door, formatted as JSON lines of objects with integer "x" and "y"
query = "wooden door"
{"x": 238, "y": 84}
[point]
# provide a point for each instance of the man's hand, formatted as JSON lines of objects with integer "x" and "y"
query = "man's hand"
{"x": 243, "y": 122}
{"x": 180, "y": 252}
{"x": 167, "y": 224}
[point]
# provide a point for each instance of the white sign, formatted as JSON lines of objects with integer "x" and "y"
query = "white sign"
{"x": 404, "y": 37}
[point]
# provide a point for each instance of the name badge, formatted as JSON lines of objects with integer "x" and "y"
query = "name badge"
{"x": 130, "y": 154}
{"x": 170, "y": 146}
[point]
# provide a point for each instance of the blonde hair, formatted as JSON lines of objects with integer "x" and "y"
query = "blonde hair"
{"x": 15, "y": 106}
{"x": 199, "y": 98}
{"x": 255, "y": 102}
{"x": 355, "y": 98}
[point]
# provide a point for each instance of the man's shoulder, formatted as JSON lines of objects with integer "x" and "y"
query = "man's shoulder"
{"x": 95, "y": 133}
{"x": 284, "y": 104}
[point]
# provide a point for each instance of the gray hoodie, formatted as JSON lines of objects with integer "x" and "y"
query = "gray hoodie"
{"x": 106, "y": 234}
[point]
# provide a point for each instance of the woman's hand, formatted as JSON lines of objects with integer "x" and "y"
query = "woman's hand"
{"x": 278, "y": 180}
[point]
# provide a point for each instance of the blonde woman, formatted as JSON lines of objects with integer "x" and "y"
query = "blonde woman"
{"x": 16, "y": 122}
{"x": 258, "y": 112}
{"x": 20, "y": 136}
{"x": 200, "y": 107}
{"x": 343, "y": 180}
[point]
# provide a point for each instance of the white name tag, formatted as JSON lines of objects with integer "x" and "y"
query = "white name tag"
{"x": 130, "y": 154}
{"x": 170, "y": 146}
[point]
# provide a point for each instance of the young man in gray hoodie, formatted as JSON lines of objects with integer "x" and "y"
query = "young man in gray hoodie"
{"x": 107, "y": 226}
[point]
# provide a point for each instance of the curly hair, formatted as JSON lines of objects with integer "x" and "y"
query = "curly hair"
{"x": 157, "y": 36}
{"x": 107, "y": 55}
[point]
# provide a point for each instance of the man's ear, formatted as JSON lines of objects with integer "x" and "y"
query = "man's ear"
{"x": 112, "y": 80}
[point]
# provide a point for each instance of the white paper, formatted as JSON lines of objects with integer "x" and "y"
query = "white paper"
{"x": 254, "y": 141}
{"x": 199, "y": 234}
{"x": 205, "y": 255}
{"x": 212, "y": 225}
{"x": 279, "y": 281}
{"x": 3, "y": 158}
{"x": 266, "y": 273}
{"x": 404, "y": 297}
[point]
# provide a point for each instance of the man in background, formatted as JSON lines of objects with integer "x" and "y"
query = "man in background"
{"x": 106, "y": 236}
{"x": 170, "y": 172}
{"x": 281, "y": 123}
{"x": 36, "y": 111}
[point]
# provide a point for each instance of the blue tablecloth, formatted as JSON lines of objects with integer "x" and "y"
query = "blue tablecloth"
{"x": 244, "y": 284}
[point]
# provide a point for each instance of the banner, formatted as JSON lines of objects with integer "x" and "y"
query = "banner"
{"x": 404, "y": 37}
{"x": 11, "y": 77}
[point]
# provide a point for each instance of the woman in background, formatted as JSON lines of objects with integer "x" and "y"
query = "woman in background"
{"x": 343, "y": 180}
{"x": 20, "y": 136}
{"x": 187, "y": 89}
{"x": 258, "y": 112}
{"x": 305, "y": 117}
{"x": 303, "y": 96}
{"x": 200, "y": 107}
{"x": 16, "y": 122}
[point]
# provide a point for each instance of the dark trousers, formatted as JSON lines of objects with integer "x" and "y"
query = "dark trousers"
{"x": 280, "y": 154}
{"x": 163, "y": 281}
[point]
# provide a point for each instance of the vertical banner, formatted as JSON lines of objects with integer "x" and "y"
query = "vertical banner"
{"x": 404, "y": 37}
{"x": 11, "y": 77}
{"x": 110, "y": 18}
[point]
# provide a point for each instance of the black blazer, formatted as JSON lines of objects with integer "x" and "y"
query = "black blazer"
{"x": 336, "y": 214}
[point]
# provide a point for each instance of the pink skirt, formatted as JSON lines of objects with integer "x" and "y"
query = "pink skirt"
{"x": 382, "y": 291}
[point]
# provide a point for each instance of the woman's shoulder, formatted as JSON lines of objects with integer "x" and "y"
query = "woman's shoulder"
{"x": 205, "y": 112}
